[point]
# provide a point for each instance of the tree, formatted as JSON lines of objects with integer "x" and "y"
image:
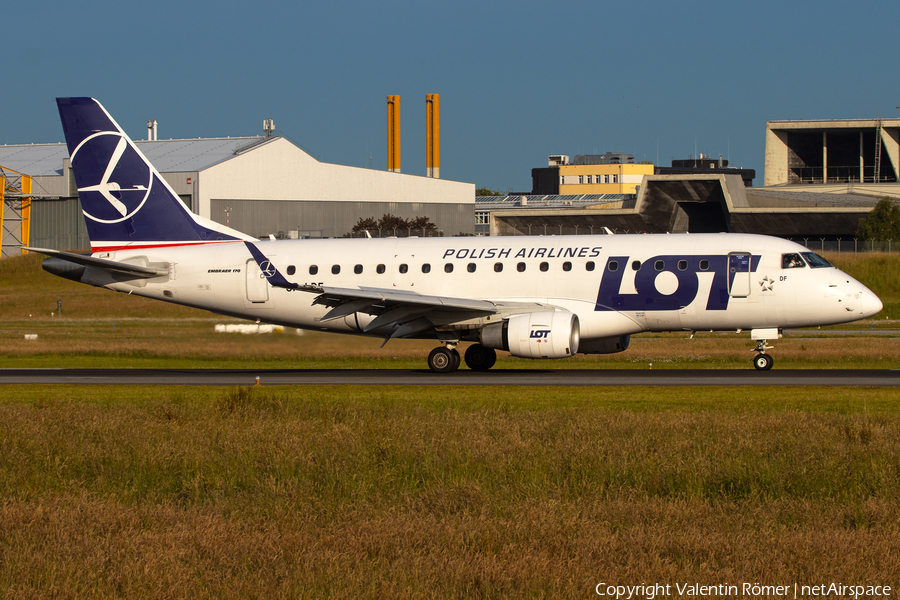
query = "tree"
{"x": 882, "y": 224}
{"x": 392, "y": 222}
{"x": 422, "y": 224}
{"x": 365, "y": 224}
{"x": 488, "y": 192}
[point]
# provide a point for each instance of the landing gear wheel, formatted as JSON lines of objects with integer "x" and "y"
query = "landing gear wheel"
{"x": 443, "y": 360}
{"x": 763, "y": 362}
{"x": 480, "y": 358}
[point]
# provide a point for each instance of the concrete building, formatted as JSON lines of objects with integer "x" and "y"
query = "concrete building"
{"x": 851, "y": 151}
{"x": 610, "y": 173}
{"x": 706, "y": 164}
{"x": 703, "y": 203}
{"x": 259, "y": 185}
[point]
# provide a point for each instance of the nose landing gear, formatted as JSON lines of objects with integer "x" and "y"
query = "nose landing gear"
{"x": 762, "y": 361}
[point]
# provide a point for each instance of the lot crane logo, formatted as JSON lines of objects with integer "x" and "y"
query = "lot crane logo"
{"x": 267, "y": 269}
{"x": 114, "y": 179}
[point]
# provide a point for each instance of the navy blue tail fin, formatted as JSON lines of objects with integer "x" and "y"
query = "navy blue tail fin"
{"x": 126, "y": 203}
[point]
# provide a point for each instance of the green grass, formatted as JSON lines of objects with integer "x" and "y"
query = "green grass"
{"x": 441, "y": 492}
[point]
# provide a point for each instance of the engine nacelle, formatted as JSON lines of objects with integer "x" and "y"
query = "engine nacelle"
{"x": 607, "y": 345}
{"x": 550, "y": 334}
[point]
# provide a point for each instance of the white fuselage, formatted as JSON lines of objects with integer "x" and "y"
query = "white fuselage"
{"x": 683, "y": 282}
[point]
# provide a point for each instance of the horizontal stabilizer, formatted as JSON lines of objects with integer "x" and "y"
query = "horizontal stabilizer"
{"x": 102, "y": 264}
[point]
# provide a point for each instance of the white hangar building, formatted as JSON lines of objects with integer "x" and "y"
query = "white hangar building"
{"x": 258, "y": 185}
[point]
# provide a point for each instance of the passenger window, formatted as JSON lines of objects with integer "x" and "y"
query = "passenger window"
{"x": 380, "y": 269}
{"x": 291, "y": 269}
{"x": 358, "y": 269}
{"x": 426, "y": 268}
{"x": 335, "y": 269}
{"x": 498, "y": 267}
{"x": 544, "y": 267}
{"x": 682, "y": 265}
{"x": 612, "y": 266}
{"x": 704, "y": 265}
{"x": 636, "y": 265}
{"x": 313, "y": 269}
{"x": 520, "y": 267}
{"x": 448, "y": 268}
{"x": 470, "y": 267}
{"x": 589, "y": 266}
{"x": 659, "y": 265}
{"x": 567, "y": 266}
{"x": 404, "y": 268}
{"x": 791, "y": 261}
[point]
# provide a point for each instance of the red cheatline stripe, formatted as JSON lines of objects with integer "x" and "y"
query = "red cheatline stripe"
{"x": 140, "y": 245}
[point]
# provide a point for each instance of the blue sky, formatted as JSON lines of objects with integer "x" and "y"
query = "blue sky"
{"x": 518, "y": 80}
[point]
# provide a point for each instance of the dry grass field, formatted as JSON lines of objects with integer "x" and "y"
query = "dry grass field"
{"x": 410, "y": 493}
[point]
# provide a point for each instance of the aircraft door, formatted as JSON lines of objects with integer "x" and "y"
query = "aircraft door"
{"x": 257, "y": 285}
{"x": 739, "y": 274}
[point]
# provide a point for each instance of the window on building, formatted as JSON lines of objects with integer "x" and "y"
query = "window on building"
{"x": 482, "y": 218}
{"x": 615, "y": 178}
{"x": 581, "y": 179}
{"x": 606, "y": 179}
{"x": 589, "y": 179}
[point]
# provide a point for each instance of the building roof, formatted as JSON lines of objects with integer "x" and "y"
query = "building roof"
{"x": 535, "y": 202}
{"x": 168, "y": 156}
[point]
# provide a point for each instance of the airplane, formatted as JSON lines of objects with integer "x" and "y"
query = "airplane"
{"x": 536, "y": 297}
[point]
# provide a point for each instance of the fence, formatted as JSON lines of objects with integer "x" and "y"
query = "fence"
{"x": 396, "y": 232}
{"x": 847, "y": 246}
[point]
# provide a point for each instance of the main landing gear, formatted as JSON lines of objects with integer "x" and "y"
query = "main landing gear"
{"x": 446, "y": 359}
{"x": 762, "y": 361}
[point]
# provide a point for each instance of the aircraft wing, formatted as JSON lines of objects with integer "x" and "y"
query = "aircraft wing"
{"x": 408, "y": 312}
{"x": 102, "y": 264}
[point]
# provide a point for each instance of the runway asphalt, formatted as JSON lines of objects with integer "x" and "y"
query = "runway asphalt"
{"x": 530, "y": 377}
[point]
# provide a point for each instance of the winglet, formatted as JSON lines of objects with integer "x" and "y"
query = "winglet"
{"x": 273, "y": 275}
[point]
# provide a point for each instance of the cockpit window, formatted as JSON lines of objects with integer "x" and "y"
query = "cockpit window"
{"x": 791, "y": 261}
{"x": 815, "y": 261}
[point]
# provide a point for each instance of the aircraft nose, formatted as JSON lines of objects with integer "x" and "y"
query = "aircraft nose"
{"x": 871, "y": 304}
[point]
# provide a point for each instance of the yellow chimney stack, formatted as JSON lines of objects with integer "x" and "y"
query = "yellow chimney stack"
{"x": 393, "y": 125}
{"x": 433, "y": 135}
